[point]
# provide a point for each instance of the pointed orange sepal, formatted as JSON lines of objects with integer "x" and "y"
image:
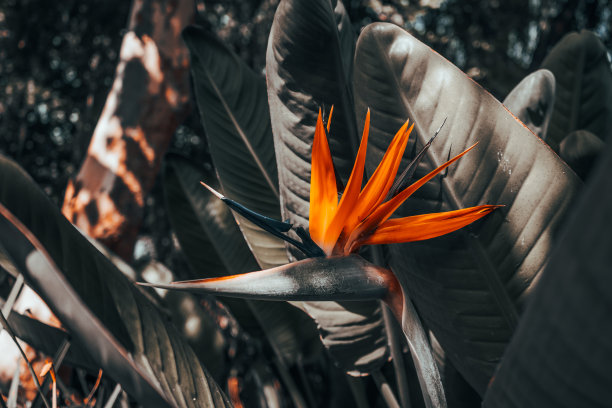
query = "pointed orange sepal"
{"x": 350, "y": 195}
{"x": 426, "y": 226}
{"x": 323, "y": 191}
{"x": 385, "y": 210}
{"x": 381, "y": 181}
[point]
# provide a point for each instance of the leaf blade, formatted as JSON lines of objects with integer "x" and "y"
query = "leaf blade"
{"x": 559, "y": 355}
{"x": 457, "y": 280}
{"x": 53, "y": 257}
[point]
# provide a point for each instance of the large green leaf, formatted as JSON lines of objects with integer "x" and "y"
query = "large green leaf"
{"x": 469, "y": 286}
{"x": 99, "y": 306}
{"x": 532, "y": 101}
{"x": 306, "y": 68}
{"x": 206, "y": 229}
{"x": 583, "y": 87}
{"x": 561, "y": 352}
{"x": 233, "y": 109}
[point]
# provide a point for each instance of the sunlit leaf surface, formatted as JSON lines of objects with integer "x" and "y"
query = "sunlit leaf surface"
{"x": 469, "y": 286}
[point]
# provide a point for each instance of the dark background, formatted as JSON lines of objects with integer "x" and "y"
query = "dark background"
{"x": 57, "y": 64}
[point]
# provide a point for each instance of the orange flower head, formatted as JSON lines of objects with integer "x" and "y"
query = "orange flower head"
{"x": 360, "y": 217}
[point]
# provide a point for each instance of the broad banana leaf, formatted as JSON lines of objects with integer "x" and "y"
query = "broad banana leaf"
{"x": 560, "y": 354}
{"x": 532, "y": 101}
{"x": 100, "y": 307}
{"x": 469, "y": 286}
{"x": 308, "y": 67}
{"x": 583, "y": 87}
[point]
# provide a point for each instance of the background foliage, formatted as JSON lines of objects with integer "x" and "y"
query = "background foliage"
{"x": 57, "y": 65}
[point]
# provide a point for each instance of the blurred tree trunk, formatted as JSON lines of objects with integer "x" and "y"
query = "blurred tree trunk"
{"x": 148, "y": 100}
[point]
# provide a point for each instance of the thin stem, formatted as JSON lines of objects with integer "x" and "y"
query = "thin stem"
{"x": 12, "y": 297}
{"x": 58, "y": 359}
{"x": 292, "y": 388}
{"x": 113, "y": 396}
{"x": 13, "y": 389}
{"x": 357, "y": 390}
{"x": 304, "y": 379}
{"x": 397, "y": 356}
{"x": 394, "y": 337}
{"x": 385, "y": 389}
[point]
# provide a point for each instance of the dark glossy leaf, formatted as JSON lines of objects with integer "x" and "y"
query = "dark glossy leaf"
{"x": 308, "y": 66}
{"x": 306, "y": 69}
{"x": 207, "y": 231}
{"x": 98, "y": 305}
{"x": 208, "y": 234}
{"x": 561, "y": 352}
{"x": 532, "y": 101}
{"x": 48, "y": 339}
{"x": 469, "y": 286}
{"x": 232, "y": 103}
{"x": 580, "y": 149}
{"x": 583, "y": 87}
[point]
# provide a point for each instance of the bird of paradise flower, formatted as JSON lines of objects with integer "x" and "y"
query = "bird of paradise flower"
{"x": 338, "y": 228}
{"x": 362, "y": 216}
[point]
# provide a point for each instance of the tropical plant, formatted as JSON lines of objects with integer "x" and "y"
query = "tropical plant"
{"x": 298, "y": 211}
{"x": 310, "y": 65}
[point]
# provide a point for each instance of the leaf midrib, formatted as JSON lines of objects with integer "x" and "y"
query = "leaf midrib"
{"x": 243, "y": 136}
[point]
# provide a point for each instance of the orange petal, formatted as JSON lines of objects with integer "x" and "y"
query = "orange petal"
{"x": 323, "y": 191}
{"x": 381, "y": 181}
{"x": 350, "y": 195}
{"x": 384, "y": 211}
{"x": 426, "y": 226}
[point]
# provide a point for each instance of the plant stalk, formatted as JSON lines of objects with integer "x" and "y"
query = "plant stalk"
{"x": 357, "y": 390}
{"x": 397, "y": 356}
{"x": 385, "y": 389}
{"x": 292, "y": 388}
{"x": 113, "y": 397}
